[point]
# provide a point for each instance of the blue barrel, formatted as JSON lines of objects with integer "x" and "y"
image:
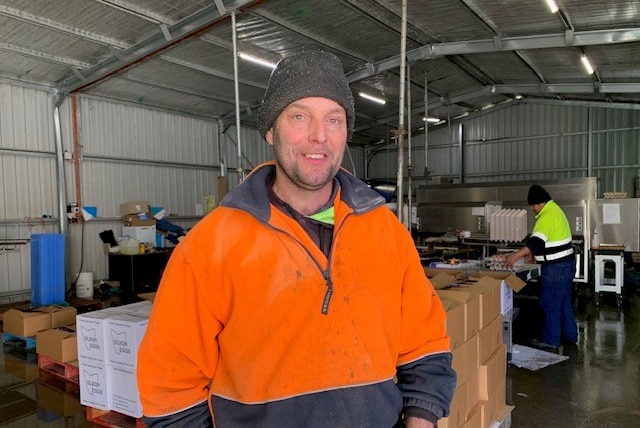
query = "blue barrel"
{"x": 47, "y": 269}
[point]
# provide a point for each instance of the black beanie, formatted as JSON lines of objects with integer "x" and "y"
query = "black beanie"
{"x": 306, "y": 74}
{"x": 537, "y": 195}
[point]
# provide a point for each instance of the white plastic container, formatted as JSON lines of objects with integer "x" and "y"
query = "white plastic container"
{"x": 130, "y": 246}
{"x": 84, "y": 285}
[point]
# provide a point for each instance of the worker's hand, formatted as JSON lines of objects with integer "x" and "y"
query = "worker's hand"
{"x": 413, "y": 422}
{"x": 510, "y": 260}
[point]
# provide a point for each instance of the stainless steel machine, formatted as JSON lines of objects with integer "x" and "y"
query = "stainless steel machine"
{"x": 447, "y": 209}
{"x": 616, "y": 223}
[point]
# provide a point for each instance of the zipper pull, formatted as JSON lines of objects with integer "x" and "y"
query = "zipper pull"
{"x": 328, "y": 294}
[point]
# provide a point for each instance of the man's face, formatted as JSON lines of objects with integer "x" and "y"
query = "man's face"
{"x": 537, "y": 207}
{"x": 309, "y": 138}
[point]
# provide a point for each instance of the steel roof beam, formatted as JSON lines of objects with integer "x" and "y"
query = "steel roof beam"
{"x": 156, "y": 43}
{"x": 578, "y": 38}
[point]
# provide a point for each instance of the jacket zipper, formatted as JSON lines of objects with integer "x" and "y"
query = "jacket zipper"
{"x": 329, "y": 293}
{"x": 326, "y": 274}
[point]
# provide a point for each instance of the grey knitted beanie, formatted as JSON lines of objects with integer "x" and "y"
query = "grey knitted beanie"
{"x": 306, "y": 74}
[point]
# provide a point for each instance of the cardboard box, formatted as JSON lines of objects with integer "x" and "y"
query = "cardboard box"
{"x": 489, "y": 339}
{"x": 125, "y": 333}
{"x": 24, "y": 323}
{"x": 137, "y": 308}
{"x": 60, "y": 343}
{"x": 473, "y": 388}
{"x": 60, "y": 315}
{"x": 487, "y": 290}
{"x": 125, "y": 398}
{"x": 471, "y": 303}
{"x": 442, "y": 280}
{"x": 474, "y": 418}
{"x": 95, "y": 387}
{"x": 138, "y": 220}
{"x": 146, "y": 234}
{"x": 134, "y": 207}
{"x": 471, "y": 368}
{"x": 458, "y": 363}
{"x": 456, "y": 273}
{"x": 456, "y": 320}
{"x": 493, "y": 372}
{"x": 457, "y": 412}
{"x": 148, "y": 296}
{"x": 91, "y": 328}
{"x": 509, "y": 283}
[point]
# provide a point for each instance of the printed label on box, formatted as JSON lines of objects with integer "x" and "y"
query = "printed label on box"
{"x": 94, "y": 386}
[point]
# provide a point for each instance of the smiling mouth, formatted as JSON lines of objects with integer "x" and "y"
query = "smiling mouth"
{"x": 314, "y": 156}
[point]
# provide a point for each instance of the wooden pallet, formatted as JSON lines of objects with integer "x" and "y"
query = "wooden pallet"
{"x": 64, "y": 371}
{"x": 19, "y": 341}
{"x": 27, "y": 356}
{"x": 55, "y": 382}
{"x": 112, "y": 419}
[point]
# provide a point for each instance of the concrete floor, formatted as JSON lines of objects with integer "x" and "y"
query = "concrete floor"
{"x": 598, "y": 386}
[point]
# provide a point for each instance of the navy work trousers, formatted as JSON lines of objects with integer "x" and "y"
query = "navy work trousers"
{"x": 555, "y": 301}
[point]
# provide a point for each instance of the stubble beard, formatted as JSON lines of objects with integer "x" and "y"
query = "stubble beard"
{"x": 295, "y": 175}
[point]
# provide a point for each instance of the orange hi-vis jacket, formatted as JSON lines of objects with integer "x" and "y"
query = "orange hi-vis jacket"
{"x": 251, "y": 314}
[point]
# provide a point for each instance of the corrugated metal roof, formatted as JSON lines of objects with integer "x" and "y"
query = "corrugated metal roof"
{"x": 178, "y": 54}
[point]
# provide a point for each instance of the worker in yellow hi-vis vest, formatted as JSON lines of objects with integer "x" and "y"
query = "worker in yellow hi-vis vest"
{"x": 550, "y": 244}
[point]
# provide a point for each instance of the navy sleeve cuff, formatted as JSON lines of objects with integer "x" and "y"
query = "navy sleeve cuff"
{"x": 417, "y": 412}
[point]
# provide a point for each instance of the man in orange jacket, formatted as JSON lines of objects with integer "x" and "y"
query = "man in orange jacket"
{"x": 301, "y": 300}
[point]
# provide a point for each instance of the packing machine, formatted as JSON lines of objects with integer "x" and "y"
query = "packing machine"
{"x": 459, "y": 216}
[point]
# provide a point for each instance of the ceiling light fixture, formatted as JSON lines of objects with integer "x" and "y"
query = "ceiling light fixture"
{"x": 430, "y": 119}
{"x": 553, "y": 7}
{"x": 256, "y": 60}
{"x": 587, "y": 64}
{"x": 372, "y": 98}
{"x": 518, "y": 97}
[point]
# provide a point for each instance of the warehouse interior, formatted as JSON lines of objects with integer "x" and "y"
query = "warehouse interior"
{"x": 112, "y": 108}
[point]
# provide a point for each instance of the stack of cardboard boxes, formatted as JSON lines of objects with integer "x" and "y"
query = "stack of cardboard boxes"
{"x": 40, "y": 323}
{"x": 53, "y": 328}
{"x": 475, "y": 308}
{"x": 138, "y": 222}
{"x": 108, "y": 342}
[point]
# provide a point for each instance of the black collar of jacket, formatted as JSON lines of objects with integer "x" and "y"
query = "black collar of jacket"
{"x": 251, "y": 195}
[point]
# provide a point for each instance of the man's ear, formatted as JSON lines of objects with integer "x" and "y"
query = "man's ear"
{"x": 269, "y": 136}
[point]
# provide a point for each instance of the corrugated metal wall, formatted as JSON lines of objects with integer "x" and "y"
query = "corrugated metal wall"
{"x": 27, "y": 182}
{"x": 172, "y": 160}
{"x": 131, "y": 153}
{"x": 528, "y": 142}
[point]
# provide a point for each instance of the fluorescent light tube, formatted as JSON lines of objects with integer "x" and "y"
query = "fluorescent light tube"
{"x": 372, "y": 98}
{"x": 553, "y": 7}
{"x": 587, "y": 64}
{"x": 430, "y": 119}
{"x": 256, "y": 60}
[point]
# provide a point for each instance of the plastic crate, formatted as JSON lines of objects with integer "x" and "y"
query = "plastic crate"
{"x": 47, "y": 269}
